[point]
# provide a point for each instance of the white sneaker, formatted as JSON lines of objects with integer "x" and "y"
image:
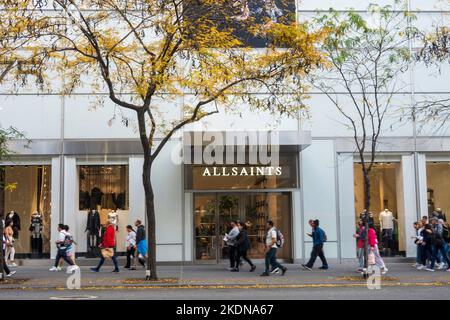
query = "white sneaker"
{"x": 429, "y": 269}
{"x": 275, "y": 271}
{"x": 440, "y": 266}
{"x": 11, "y": 274}
{"x": 385, "y": 270}
{"x": 421, "y": 267}
{"x": 13, "y": 264}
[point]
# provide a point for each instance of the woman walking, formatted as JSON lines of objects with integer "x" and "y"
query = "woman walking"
{"x": 243, "y": 245}
{"x": 360, "y": 236}
{"x": 373, "y": 243}
{"x": 108, "y": 244}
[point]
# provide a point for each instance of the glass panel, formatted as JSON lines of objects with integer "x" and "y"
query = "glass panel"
{"x": 205, "y": 227}
{"x": 438, "y": 183}
{"x": 228, "y": 211}
{"x": 27, "y": 204}
{"x": 261, "y": 207}
{"x": 384, "y": 192}
{"x": 244, "y": 177}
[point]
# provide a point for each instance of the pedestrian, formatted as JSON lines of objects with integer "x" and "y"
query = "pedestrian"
{"x": 437, "y": 244}
{"x": 271, "y": 248}
{"x": 417, "y": 238}
{"x": 360, "y": 236}
{"x": 424, "y": 220}
{"x": 8, "y": 272}
{"x": 243, "y": 245}
{"x": 425, "y": 242}
{"x": 64, "y": 243}
{"x": 141, "y": 245}
{"x": 130, "y": 245}
{"x": 107, "y": 247}
{"x": 373, "y": 243}
{"x": 10, "y": 251}
{"x": 231, "y": 240}
{"x": 70, "y": 252}
{"x": 319, "y": 238}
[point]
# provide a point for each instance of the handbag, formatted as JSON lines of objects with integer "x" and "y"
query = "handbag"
{"x": 107, "y": 252}
{"x": 371, "y": 258}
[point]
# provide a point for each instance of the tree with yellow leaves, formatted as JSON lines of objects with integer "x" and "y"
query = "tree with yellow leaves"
{"x": 142, "y": 50}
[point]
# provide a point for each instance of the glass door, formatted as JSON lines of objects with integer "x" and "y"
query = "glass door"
{"x": 205, "y": 224}
{"x": 228, "y": 209}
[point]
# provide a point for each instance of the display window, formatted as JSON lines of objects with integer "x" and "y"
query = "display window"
{"x": 438, "y": 189}
{"x": 103, "y": 196}
{"x": 27, "y": 205}
{"x": 213, "y": 213}
{"x": 384, "y": 212}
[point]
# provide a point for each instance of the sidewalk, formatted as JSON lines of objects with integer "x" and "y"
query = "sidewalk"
{"x": 216, "y": 276}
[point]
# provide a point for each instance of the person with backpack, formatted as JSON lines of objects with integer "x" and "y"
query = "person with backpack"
{"x": 273, "y": 241}
{"x": 319, "y": 238}
{"x": 243, "y": 245}
{"x": 141, "y": 247}
{"x": 63, "y": 244}
{"x": 438, "y": 245}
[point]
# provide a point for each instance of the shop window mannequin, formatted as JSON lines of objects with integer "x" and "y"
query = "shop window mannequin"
{"x": 14, "y": 216}
{"x": 387, "y": 227}
{"x": 113, "y": 217}
{"x": 93, "y": 229}
{"x": 36, "y": 227}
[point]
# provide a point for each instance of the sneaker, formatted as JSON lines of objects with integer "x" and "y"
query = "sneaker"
{"x": 264, "y": 274}
{"x": 133, "y": 268}
{"x": 429, "y": 269}
{"x": 53, "y": 269}
{"x": 384, "y": 271}
{"x": 71, "y": 269}
{"x": 235, "y": 270}
{"x": 13, "y": 264}
{"x": 440, "y": 266}
{"x": 421, "y": 267}
{"x": 94, "y": 270}
{"x": 253, "y": 268}
{"x": 448, "y": 270}
{"x": 306, "y": 267}
{"x": 11, "y": 274}
{"x": 283, "y": 271}
{"x": 115, "y": 270}
{"x": 275, "y": 271}
{"x": 323, "y": 268}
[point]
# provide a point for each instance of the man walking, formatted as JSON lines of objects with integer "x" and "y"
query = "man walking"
{"x": 141, "y": 245}
{"x": 319, "y": 238}
{"x": 271, "y": 251}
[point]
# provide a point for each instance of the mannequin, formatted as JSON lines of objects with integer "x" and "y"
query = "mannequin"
{"x": 113, "y": 216}
{"x": 387, "y": 226}
{"x": 93, "y": 228}
{"x": 36, "y": 227}
{"x": 14, "y": 216}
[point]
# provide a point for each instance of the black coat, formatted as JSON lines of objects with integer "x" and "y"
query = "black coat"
{"x": 93, "y": 222}
{"x": 243, "y": 242}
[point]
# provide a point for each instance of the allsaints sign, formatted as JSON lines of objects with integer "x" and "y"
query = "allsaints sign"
{"x": 241, "y": 171}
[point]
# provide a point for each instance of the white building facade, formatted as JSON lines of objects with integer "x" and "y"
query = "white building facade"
{"x": 75, "y": 149}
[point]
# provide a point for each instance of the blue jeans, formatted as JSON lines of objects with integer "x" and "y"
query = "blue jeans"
{"x": 439, "y": 249}
{"x": 271, "y": 260}
{"x": 114, "y": 260}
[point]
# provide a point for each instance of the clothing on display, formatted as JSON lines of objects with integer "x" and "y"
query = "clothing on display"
{"x": 108, "y": 201}
{"x": 14, "y": 216}
{"x": 36, "y": 225}
{"x": 386, "y": 219}
{"x": 96, "y": 198}
{"x": 93, "y": 227}
{"x": 113, "y": 217}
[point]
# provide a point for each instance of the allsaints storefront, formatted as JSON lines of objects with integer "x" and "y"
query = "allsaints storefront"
{"x": 245, "y": 192}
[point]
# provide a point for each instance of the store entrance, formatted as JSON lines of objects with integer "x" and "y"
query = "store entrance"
{"x": 213, "y": 213}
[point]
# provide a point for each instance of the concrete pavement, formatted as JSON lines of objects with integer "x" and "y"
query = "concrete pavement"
{"x": 343, "y": 275}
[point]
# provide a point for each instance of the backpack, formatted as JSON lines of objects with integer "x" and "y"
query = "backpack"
{"x": 325, "y": 238}
{"x": 68, "y": 241}
{"x": 280, "y": 239}
{"x": 446, "y": 233}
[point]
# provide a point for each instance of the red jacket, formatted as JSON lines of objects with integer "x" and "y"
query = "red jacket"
{"x": 361, "y": 238}
{"x": 372, "y": 237}
{"x": 109, "y": 237}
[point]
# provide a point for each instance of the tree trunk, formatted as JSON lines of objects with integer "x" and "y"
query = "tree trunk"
{"x": 151, "y": 221}
{"x": 151, "y": 273}
{"x": 2, "y": 215}
{"x": 366, "y": 220}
